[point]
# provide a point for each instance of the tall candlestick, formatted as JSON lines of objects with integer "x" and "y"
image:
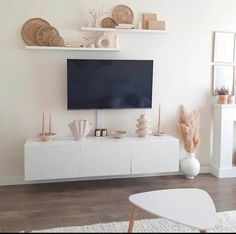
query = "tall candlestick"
{"x": 43, "y": 124}
{"x": 50, "y": 124}
{"x": 159, "y": 120}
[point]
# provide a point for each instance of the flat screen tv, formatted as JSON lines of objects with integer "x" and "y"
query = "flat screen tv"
{"x": 109, "y": 84}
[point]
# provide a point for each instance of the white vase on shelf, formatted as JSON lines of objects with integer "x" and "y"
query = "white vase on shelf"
{"x": 80, "y": 129}
{"x": 143, "y": 126}
{"x": 190, "y": 166}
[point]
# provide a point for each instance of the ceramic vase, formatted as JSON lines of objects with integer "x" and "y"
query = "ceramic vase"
{"x": 143, "y": 126}
{"x": 190, "y": 166}
{"x": 80, "y": 129}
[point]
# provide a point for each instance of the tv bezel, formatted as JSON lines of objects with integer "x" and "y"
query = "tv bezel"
{"x": 111, "y": 108}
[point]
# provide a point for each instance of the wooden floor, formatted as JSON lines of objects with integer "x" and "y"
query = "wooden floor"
{"x": 34, "y": 207}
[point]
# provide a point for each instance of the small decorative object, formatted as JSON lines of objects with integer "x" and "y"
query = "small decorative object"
{"x": 123, "y": 14}
{"x": 140, "y": 25}
{"x": 74, "y": 44}
{"x": 231, "y": 99}
{"x": 108, "y": 22}
{"x": 223, "y": 93}
{"x": 96, "y": 15}
{"x": 116, "y": 41}
{"x": 125, "y": 26}
{"x": 98, "y": 132}
{"x": 30, "y": 29}
{"x": 39, "y": 32}
{"x": 56, "y": 41}
{"x": 49, "y": 36}
{"x": 91, "y": 45}
{"x": 104, "y": 42}
{"x": 156, "y": 24}
{"x": 47, "y": 136}
{"x": 119, "y": 134}
{"x": 143, "y": 126}
{"x": 189, "y": 127}
{"x": 104, "y": 132}
{"x": 80, "y": 128}
{"x": 159, "y": 132}
{"x": 147, "y": 17}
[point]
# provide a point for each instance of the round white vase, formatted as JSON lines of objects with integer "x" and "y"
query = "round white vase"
{"x": 190, "y": 166}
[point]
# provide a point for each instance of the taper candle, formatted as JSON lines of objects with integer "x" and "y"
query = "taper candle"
{"x": 159, "y": 120}
{"x": 43, "y": 124}
{"x": 50, "y": 124}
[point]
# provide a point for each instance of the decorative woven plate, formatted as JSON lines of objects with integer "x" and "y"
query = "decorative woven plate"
{"x": 44, "y": 34}
{"x": 30, "y": 29}
{"x": 108, "y": 22}
{"x": 56, "y": 41}
{"x": 122, "y": 14}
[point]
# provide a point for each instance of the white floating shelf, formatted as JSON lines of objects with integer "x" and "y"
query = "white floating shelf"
{"x": 72, "y": 48}
{"x": 115, "y": 30}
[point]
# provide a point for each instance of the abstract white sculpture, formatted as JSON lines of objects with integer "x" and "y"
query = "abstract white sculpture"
{"x": 80, "y": 128}
{"x": 143, "y": 126}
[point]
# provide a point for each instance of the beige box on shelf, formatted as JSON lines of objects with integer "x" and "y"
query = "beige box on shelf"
{"x": 157, "y": 24}
{"x": 147, "y": 17}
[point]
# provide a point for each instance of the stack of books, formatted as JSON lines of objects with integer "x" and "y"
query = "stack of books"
{"x": 125, "y": 26}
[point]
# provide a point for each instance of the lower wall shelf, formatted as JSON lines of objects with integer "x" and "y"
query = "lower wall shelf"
{"x": 72, "y": 48}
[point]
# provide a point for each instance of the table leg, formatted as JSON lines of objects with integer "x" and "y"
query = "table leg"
{"x": 132, "y": 218}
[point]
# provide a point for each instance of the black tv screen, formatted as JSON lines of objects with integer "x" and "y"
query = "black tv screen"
{"x": 109, "y": 84}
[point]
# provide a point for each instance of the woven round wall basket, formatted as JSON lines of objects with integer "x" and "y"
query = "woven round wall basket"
{"x": 30, "y": 29}
{"x": 123, "y": 14}
{"x": 45, "y": 33}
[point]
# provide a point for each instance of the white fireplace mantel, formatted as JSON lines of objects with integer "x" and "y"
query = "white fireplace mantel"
{"x": 224, "y": 117}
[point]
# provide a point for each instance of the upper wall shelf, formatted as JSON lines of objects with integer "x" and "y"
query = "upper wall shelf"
{"x": 115, "y": 30}
{"x": 72, "y": 48}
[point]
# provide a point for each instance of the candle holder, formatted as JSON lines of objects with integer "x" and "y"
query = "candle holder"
{"x": 47, "y": 136}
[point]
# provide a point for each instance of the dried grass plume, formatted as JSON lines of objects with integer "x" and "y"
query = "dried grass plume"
{"x": 189, "y": 127}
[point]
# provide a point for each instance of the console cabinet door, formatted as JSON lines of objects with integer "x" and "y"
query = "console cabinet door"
{"x": 51, "y": 161}
{"x": 105, "y": 159}
{"x": 155, "y": 156}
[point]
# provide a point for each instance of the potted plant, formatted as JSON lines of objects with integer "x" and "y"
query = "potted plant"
{"x": 189, "y": 128}
{"x": 223, "y": 94}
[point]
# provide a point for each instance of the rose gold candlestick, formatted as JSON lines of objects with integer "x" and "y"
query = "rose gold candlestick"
{"x": 50, "y": 124}
{"x": 43, "y": 125}
{"x": 159, "y": 132}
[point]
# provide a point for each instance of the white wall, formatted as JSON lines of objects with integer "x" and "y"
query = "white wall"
{"x": 35, "y": 81}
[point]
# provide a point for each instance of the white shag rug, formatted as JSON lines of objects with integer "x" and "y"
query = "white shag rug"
{"x": 226, "y": 223}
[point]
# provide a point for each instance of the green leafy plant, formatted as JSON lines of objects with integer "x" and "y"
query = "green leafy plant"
{"x": 222, "y": 91}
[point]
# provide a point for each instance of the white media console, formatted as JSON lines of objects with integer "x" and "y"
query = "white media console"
{"x": 100, "y": 157}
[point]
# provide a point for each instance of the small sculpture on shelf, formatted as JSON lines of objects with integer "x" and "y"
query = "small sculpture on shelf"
{"x": 80, "y": 129}
{"x": 96, "y": 15}
{"x": 143, "y": 126}
{"x": 47, "y": 136}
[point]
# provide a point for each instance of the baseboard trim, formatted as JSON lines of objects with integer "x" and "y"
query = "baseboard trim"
{"x": 19, "y": 180}
{"x": 223, "y": 172}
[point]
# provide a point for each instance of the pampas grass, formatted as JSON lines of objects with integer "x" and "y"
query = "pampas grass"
{"x": 189, "y": 127}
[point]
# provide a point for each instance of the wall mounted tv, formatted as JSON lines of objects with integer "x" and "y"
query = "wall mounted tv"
{"x": 109, "y": 84}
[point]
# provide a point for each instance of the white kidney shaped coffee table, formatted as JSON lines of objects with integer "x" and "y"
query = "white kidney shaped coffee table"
{"x": 191, "y": 207}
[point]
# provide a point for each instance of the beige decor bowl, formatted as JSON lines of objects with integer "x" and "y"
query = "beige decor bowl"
{"x": 119, "y": 134}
